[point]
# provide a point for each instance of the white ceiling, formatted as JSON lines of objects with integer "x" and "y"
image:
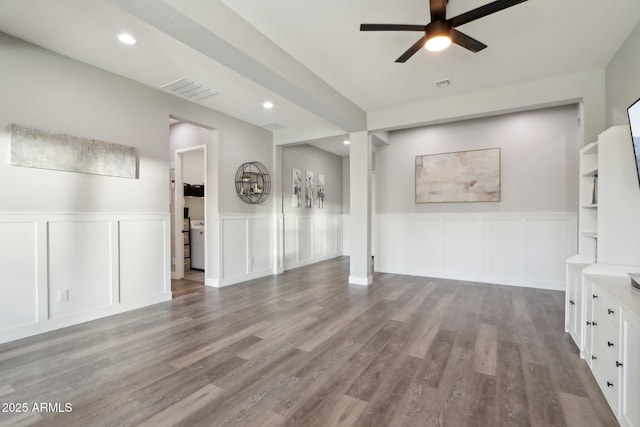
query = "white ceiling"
{"x": 310, "y": 59}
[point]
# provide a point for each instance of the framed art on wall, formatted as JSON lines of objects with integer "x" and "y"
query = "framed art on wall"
{"x": 45, "y": 149}
{"x": 309, "y": 190}
{"x": 320, "y": 193}
{"x": 463, "y": 176}
{"x": 296, "y": 191}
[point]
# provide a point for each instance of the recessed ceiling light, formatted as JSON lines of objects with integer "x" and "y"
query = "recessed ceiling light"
{"x": 346, "y": 142}
{"x": 127, "y": 39}
{"x": 268, "y": 105}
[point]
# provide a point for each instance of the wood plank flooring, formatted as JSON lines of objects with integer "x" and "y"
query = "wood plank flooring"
{"x": 306, "y": 349}
{"x": 185, "y": 286}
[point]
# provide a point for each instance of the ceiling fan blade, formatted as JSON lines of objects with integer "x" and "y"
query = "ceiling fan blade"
{"x": 483, "y": 11}
{"x": 438, "y": 10}
{"x": 391, "y": 27}
{"x": 467, "y": 42}
{"x": 412, "y": 50}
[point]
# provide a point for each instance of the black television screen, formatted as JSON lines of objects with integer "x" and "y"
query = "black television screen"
{"x": 634, "y": 121}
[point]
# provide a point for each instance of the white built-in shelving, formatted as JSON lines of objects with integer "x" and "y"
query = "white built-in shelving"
{"x": 602, "y": 312}
{"x": 588, "y": 211}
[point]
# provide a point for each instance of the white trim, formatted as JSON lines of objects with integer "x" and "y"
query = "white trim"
{"x": 23, "y": 331}
{"x": 178, "y": 240}
{"x": 42, "y": 265}
{"x": 43, "y": 320}
{"x": 311, "y": 261}
{"x": 246, "y": 256}
{"x": 417, "y": 244}
{"x": 360, "y": 281}
{"x": 221, "y": 283}
{"x": 322, "y": 228}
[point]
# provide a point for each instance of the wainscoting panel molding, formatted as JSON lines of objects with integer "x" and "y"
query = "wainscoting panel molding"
{"x": 58, "y": 270}
{"x": 503, "y": 250}
{"x": 246, "y": 248}
{"x": 312, "y": 238}
{"x": 142, "y": 244}
{"x": 547, "y": 241}
{"x": 261, "y": 245}
{"x": 18, "y": 274}
{"x": 463, "y": 246}
{"x": 80, "y": 266}
{"x": 235, "y": 251}
{"x": 520, "y": 249}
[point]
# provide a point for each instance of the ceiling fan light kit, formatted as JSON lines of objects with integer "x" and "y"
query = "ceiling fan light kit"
{"x": 437, "y": 43}
{"x": 441, "y": 32}
{"x": 438, "y": 36}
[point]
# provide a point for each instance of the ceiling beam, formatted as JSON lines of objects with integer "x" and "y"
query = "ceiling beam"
{"x": 276, "y": 71}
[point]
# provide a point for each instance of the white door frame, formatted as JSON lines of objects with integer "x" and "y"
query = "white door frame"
{"x": 179, "y": 209}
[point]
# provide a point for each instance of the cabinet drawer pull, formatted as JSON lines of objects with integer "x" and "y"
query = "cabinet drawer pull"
{"x": 595, "y": 296}
{"x": 588, "y": 323}
{"x": 572, "y": 302}
{"x": 610, "y": 311}
{"x": 609, "y": 343}
{"x": 594, "y": 324}
{"x": 609, "y": 384}
{"x": 618, "y": 364}
{"x": 594, "y": 358}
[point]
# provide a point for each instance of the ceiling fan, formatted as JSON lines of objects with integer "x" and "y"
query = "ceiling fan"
{"x": 441, "y": 32}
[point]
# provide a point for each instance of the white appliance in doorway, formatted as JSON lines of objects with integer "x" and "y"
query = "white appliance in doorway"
{"x": 197, "y": 244}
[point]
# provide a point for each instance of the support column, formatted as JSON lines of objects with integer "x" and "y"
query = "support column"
{"x": 360, "y": 152}
{"x": 278, "y": 210}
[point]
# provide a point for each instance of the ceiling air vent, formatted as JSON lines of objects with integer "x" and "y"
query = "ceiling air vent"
{"x": 188, "y": 89}
{"x": 273, "y": 126}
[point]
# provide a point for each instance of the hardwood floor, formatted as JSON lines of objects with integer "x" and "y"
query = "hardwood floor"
{"x": 305, "y": 348}
{"x": 185, "y": 286}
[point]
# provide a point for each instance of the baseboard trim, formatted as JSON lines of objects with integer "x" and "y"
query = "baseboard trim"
{"x": 221, "y": 283}
{"x": 310, "y": 261}
{"x": 360, "y": 281}
{"x": 37, "y": 328}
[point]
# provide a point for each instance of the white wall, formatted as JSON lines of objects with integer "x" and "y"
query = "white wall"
{"x": 346, "y": 206}
{"x": 241, "y": 143}
{"x": 517, "y": 249}
{"x": 522, "y": 240}
{"x": 187, "y": 135}
{"x": 47, "y": 91}
{"x": 346, "y": 185}
{"x": 312, "y": 234}
{"x": 193, "y": 167}
{"x": 622, "y": 82}
{"x": 307, "y": 157}
{"x": 539, "y": 161}
{"x": 104, "y": 239}
{"x": 312, "y": 238}
{"x": 585, "y": 86}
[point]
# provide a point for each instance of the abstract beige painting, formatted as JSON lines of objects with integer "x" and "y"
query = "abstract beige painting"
{"x": 44, "y": 149}
{"x": 463, "y": 176}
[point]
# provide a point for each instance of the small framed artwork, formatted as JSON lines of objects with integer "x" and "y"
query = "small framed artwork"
{"x": 309, "y": 189}
{"x": 320, "y": 193}
{"x": 296, "y": 191}
{"x": 463, "y": 176}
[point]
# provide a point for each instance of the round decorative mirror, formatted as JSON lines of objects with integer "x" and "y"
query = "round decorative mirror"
{"x": 253, "y": 182}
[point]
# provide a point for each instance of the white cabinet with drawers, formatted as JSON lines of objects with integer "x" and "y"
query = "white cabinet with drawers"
{"x": 611, "y": 340}
{"x": 574, "y": 307}
{"x": 630, "y": 355}
{"x": 605, "y": 343}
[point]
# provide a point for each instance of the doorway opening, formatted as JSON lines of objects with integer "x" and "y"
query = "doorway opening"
{"x": 189, "y": 206}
